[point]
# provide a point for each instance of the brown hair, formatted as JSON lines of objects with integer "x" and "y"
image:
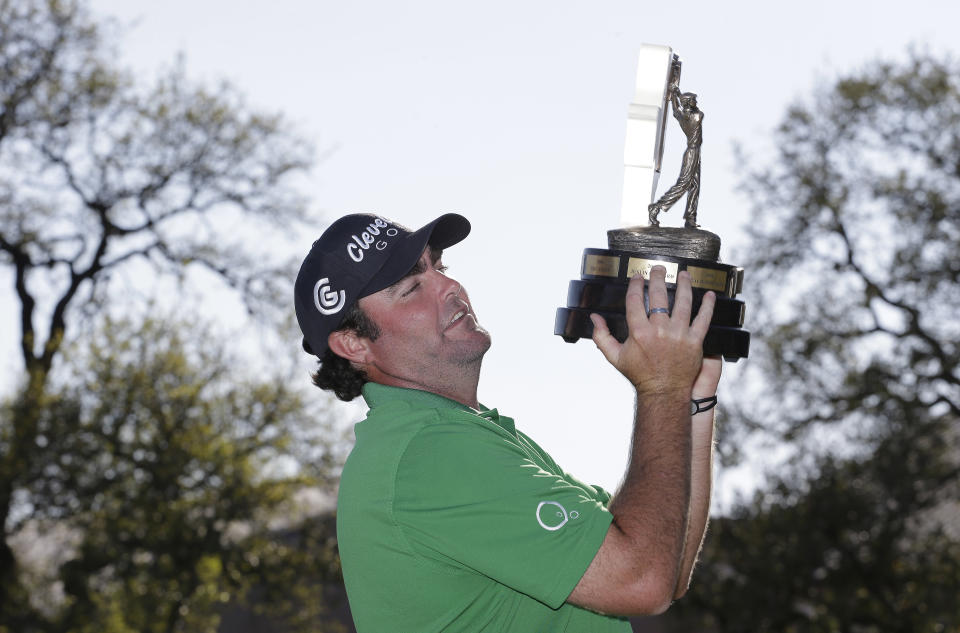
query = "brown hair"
{"x": 336, "y": 373}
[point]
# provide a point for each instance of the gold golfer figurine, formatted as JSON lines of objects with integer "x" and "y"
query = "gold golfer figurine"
{"x": 691, "y": 122}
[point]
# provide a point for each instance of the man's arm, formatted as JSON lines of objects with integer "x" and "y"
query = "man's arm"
{"x": 639, "y": 564}
{"x": 701, "y": 472}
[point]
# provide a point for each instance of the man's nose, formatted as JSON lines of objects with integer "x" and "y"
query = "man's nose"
{"x": 448, "y": 285}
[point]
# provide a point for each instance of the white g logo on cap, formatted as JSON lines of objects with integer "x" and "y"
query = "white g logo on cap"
{"x": 328, "y": 301}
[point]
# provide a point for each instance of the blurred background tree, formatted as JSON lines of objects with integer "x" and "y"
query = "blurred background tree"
{"x": 151, "y": 455}
{"x": 853, "y": 271}
{"x": 176, "y": 484}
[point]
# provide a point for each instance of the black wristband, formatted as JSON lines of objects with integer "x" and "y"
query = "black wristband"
{"x": 699, "y": 405}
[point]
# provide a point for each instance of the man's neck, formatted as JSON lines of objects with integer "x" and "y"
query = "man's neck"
{"x": 457, "y": 386}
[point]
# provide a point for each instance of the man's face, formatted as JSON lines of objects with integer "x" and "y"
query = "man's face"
{"x": 428, "y": 330}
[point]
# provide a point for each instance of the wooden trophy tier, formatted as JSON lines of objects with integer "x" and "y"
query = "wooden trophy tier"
{"x": 605, "y": 274}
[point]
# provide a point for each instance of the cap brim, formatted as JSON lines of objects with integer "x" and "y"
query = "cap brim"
{"x": 445, "y": 231}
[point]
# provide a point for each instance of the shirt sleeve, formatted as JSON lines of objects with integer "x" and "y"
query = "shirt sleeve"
{"x": 600, "y": 494}
{"x": 472, "y": 494}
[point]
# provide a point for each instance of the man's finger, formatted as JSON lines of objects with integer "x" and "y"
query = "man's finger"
{"x": 702, "y": 321}
{"x": 636, "y": 310}
{"x": 606, "y": 343}
{"x": 657, "y": 290}
{"x": 682, "y": 298}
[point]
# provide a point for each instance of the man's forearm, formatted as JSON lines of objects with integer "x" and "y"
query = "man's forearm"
{"x": 701, "y": 485}
{"x": 652, "y": 504}
{"x": 637, "y": 567}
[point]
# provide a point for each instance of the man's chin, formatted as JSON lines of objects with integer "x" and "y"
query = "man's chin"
{"x": 472, "y": 351}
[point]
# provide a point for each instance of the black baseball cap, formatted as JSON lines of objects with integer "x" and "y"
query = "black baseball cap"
{"x": 356, "y": 256}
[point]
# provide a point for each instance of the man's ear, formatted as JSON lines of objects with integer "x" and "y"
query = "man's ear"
{"x": 346, "y": 344}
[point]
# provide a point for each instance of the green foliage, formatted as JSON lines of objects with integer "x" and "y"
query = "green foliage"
{"x": 167, "y": 465}
{"x": 857, "y": 545}
{"x": 854, "y": 233}
{"x": 854, "y": 280}
{"x": 161, "y": 457}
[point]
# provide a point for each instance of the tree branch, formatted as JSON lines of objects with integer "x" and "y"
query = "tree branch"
{"x": 22, "y": 265}
{"x": 873, "y": 289}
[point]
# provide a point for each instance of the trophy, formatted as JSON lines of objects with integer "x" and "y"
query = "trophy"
{"x": 642, "y": 243}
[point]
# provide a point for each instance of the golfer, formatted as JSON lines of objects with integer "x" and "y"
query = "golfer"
{"x": 449, "y": 518}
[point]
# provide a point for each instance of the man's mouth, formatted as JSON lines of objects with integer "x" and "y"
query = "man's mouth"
{"x": 459, "y": 314}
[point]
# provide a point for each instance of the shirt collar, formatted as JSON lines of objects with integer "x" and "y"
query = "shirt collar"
{"x": 500, "y": 420}
{"x": 376, "y": 394}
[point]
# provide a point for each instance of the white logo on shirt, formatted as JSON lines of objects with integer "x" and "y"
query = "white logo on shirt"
{"x": 553, "y": 520}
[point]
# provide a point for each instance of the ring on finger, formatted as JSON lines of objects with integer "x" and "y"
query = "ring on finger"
{"x": 658, "y": 311}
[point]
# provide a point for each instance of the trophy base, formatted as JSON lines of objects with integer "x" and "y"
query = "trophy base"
{"x": 667, "y": 240}
{"x": 605, "y": 274}
{"x": 573, "y": 324}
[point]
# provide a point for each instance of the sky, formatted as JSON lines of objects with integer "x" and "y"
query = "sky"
{"x": 513, "y": 114}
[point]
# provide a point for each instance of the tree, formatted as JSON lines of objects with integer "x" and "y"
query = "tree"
{"x": 854, "y": 237}
{"x": 847, "y": 546}
{"x": 171, "y": 469}
{"x": 100, "y": 174}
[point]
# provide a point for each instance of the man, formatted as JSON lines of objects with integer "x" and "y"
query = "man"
{"x": 449, "y": 519}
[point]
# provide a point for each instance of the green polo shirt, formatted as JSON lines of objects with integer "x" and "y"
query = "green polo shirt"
{"x": 449, "y": 519}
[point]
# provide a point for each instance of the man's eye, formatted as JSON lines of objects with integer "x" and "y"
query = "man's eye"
{"x": 440, "y": 267}
{"x": 410, "y": 290}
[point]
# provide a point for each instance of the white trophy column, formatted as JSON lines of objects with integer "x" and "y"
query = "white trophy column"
{"x": 643, "y": 149}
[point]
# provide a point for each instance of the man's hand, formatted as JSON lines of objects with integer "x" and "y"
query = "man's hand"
{"x": 709, "y": 377}
{"x": 662, "y": 353}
